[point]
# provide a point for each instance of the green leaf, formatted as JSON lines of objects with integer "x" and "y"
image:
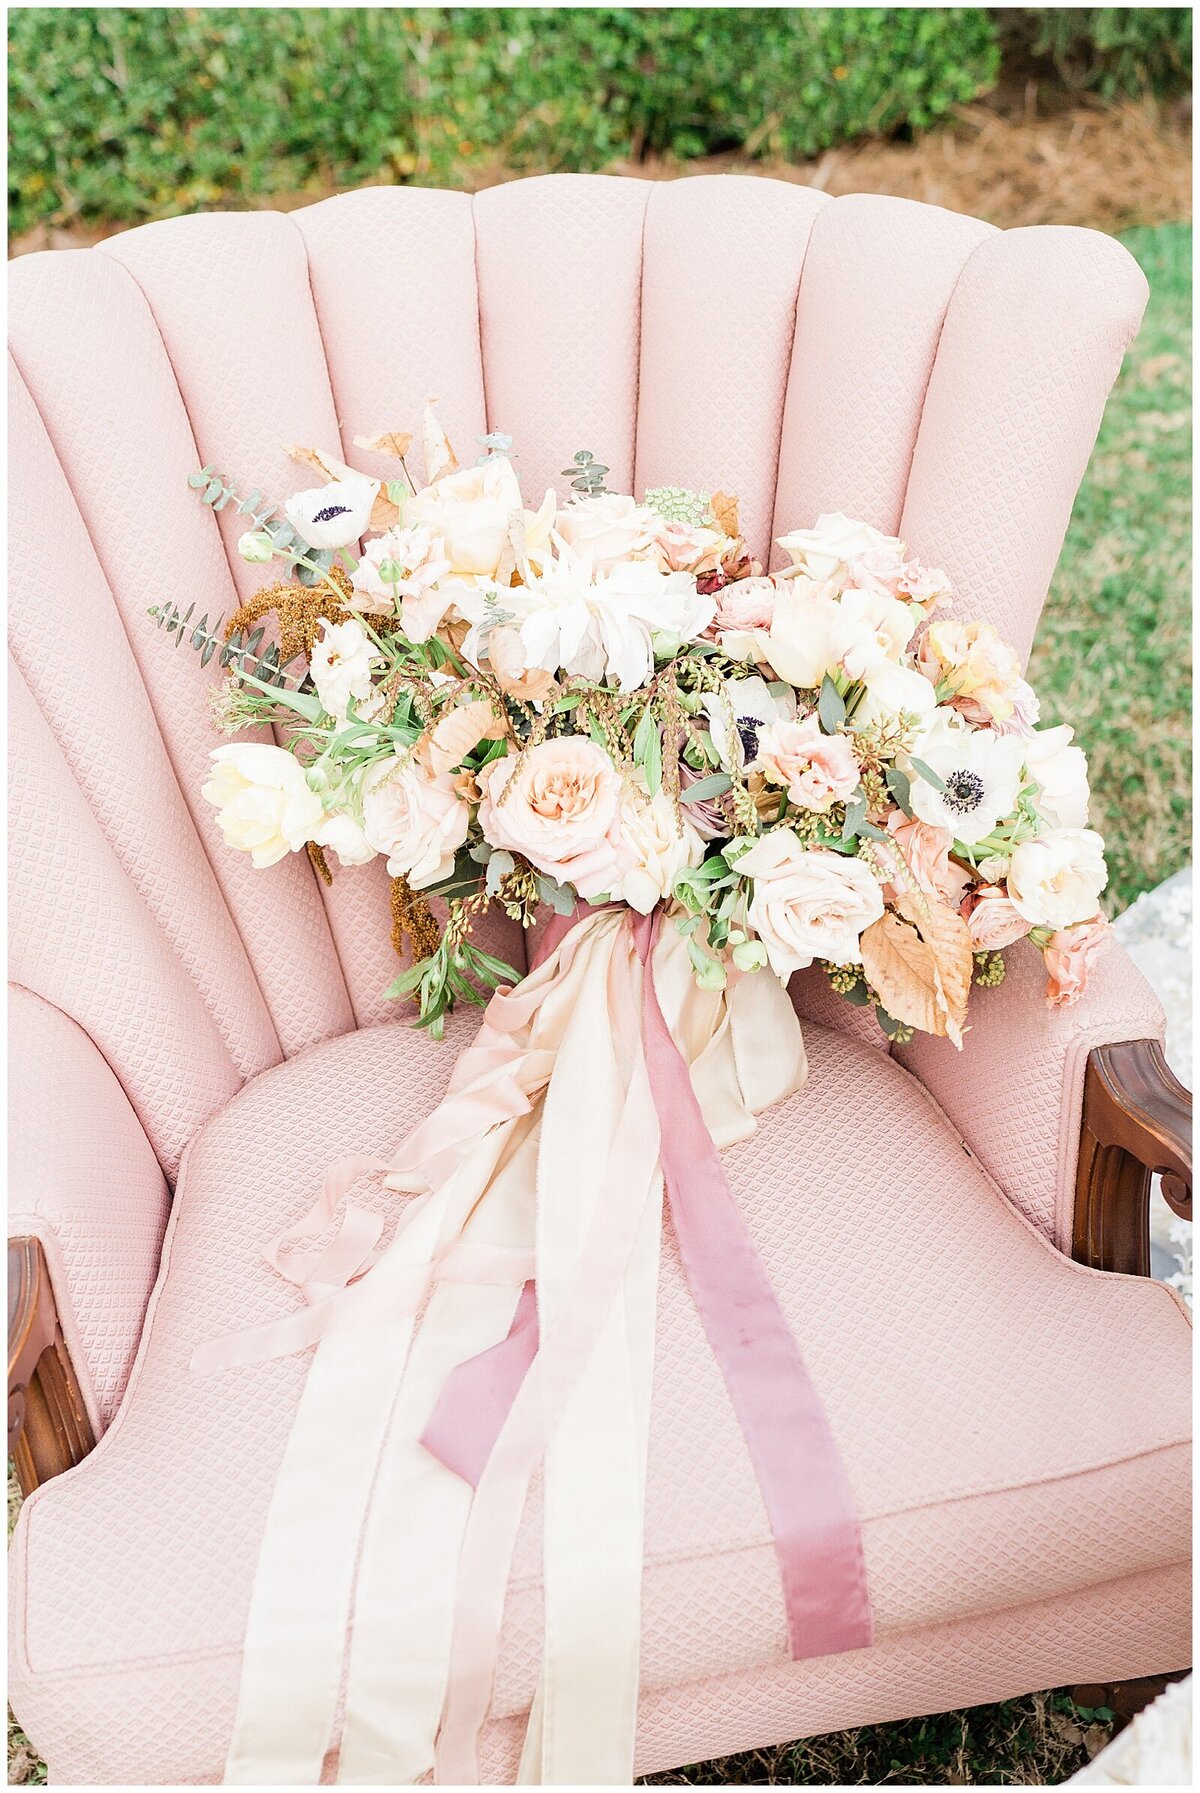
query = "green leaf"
{"x": 652, "y": 765}
{"x": 899, "y": 785}
{"x": 715, "y": 785}
{"x": 856, "y": 815}
{"x": 641, "y": 738}
{"x": 830, "y": 707}
{"x": 198, "y": 480}
{"x": 926, "y": 772}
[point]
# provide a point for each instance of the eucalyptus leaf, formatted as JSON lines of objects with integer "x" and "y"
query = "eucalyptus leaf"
{"x": 856, "y": 815}
{"x": 900, "y": 786}
{"x": 830, "y": 707}
{"x": 715, "y": 785}
{"x": 926, "y": 772}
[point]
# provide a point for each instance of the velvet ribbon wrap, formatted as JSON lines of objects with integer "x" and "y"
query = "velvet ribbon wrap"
{"x": 509, "y": 1325}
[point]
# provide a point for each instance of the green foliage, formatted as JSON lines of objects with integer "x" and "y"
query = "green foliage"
{"x": 1108, "y": 50}
{"x": 130, "y": 113}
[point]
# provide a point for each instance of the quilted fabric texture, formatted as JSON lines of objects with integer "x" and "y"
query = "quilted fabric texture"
{"x": 158, "y": 974}
{"x": 928, "y": 1310}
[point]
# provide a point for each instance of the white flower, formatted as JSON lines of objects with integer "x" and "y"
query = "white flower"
{"x": 341, "y": 666}
{"x": 1056, "y": 880}
{"x": 891, "y": 691}
{"x": 332, "y": 516}
{"x": 754, "y": 706}
{"x": 417, "y": 819}
{"x": 597, "y": 627}
{"x": 802, "y": 643}
{"x": 256, "y": 546}
{"x": 807, "y": 904}
{"x": 409, "y": 567}
{"x": 264, "y": 804}
{"x": 607, "y": 529}
{"x": 343, "y": 836}
{"x": 655, "y": 849}
{"x": 825, "y": 551}
{"x": 980, "y": 773}
{"x": 1061, "y": 772}
{"x": 474, "y": 511}
{"x": 872, "y": 630}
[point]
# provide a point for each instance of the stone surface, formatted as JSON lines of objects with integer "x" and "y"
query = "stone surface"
{"x": 1156, "y": 932}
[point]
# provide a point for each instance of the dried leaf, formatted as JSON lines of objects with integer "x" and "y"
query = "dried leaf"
{"x": 440, "y": 458}
{"x": 458, "y": 733}
{"x": 384, "y": 514}
{"x": 949, "y": 939}
{"x": 320, "y": 462}
{"x": 900, "y": 968}
{"x": 394, "y": 442}
{"x": 506, "y": 656}
{"x": 725, "y": 512}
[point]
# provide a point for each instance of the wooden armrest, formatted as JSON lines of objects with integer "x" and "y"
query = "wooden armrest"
{"x": 48, "y": 1426}
{"x": 1137, "y": 1121}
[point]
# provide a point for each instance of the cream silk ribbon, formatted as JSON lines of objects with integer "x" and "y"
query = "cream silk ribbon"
{"x": 543, "y": 1163}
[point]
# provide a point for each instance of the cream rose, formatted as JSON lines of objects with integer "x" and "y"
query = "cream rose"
{"x": 1060, "y": 771}
{"x": 1056, "y": 880}
{"x": 816, "y": 769}
{"x": 891, "y": 691}
{"x": 994, "y": 920}
{"x": 807, "y": 904}
{"x": 825, "y": 552}
{"x": 263, "y": 801}
{"x": 471, "y": 511}
{"x": 607, "y": 529}
{"x": 417, "y": 819}
{"x": 558, "y": 804}
{"x": 656, "y": 850}
{"x": 872, "y": 630}
{"x": 1069, "y": 957}
{"x": 802, "y": 643}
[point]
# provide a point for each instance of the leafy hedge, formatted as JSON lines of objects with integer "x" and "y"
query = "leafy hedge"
{"x": 130, "y": 113}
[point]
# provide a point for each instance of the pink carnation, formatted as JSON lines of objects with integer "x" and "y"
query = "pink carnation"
{"x": 1069, "y": 957}
{"x": 816, "y": 769}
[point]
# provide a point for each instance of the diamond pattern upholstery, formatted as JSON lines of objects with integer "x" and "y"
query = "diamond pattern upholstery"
{"x": 181, "y": 1022}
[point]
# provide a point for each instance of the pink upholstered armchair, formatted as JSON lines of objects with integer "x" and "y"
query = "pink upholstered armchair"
{"x": 194, "y": 1041}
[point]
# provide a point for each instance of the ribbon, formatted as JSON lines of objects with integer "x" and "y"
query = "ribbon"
{"x": 809, "y": 1505}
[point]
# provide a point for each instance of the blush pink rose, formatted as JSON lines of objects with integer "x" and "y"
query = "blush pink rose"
{"x": 417, "y": 819}
{"x": 559, "y": 805}
{"x": 994, "y": 919}
{"x": 688, "y": 547}
{"x": 924, "y": 849}
{"x": 817, "y": 770}
{"x": 1069, "y": 957}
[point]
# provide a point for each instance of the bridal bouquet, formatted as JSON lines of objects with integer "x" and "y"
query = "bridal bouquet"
{"x": 606, "y": 701}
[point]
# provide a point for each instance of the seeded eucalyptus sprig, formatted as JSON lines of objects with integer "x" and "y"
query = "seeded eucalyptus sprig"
{"x": 240, "y": 653}
{"x": 310, "y": 565}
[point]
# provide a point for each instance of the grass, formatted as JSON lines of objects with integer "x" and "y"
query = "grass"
{"x": 1113, "y": 651}
{"x": 1112, "y": 657}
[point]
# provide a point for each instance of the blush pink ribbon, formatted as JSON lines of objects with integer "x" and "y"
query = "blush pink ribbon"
{"x": 809, "y": 1505}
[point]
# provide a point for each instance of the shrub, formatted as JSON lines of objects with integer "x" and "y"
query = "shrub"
{"x": 130, "y": 113}
{"x": 1112, "y": 51}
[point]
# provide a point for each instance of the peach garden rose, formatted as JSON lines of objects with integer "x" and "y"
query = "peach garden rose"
{"x": 558, "y": 805}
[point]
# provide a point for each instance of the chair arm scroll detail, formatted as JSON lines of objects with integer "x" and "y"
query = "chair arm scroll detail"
{"x": 48, "y": 1425}
{"x": 1137, "y": 1121}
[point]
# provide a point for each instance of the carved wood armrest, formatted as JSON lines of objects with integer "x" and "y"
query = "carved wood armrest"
{"x": 1137, "y": 1120}
{"x": 48, "y": 1426}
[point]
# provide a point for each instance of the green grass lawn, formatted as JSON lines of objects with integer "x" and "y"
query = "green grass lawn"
{"x": 1112, "y": 657}
{"x": 1113, "y": 652}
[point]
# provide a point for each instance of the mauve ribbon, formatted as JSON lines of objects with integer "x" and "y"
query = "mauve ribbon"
{"x": 800, "y": 1473}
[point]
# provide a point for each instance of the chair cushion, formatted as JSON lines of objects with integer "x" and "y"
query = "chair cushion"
{"x": 1014, "y": 1425}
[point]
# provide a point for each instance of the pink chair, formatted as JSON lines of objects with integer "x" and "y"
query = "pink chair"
{"x": 194, "y": 1041}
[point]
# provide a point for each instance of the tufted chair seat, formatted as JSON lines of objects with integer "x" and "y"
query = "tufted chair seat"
{"x": 195, "y": 1042}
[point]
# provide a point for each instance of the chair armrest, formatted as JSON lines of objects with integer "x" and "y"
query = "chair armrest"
{"x": 48, "y": 1425}
{"x": 1137, "y": 1122}
{"x": 88, "y": 1202}
{"x": 1016, "y": 1090}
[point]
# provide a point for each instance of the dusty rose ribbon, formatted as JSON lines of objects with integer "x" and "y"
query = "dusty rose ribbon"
{"x": 809, "y": 1504}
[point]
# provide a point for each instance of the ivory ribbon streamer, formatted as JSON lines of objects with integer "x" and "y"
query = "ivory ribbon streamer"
{"x": 559, "y": 1098}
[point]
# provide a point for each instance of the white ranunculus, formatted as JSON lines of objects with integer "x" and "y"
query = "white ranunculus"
{"x": 417, "y": 819}
{"x": 807, "y": 904}
{"x": 825, "y": 551}
{"x": 608, "y": 529}
{"x": 335, "y": 515}
{"x": 263, "y": 801}
{"x": 802, "y": 643}
{"x": 890, "y": 691}
{"x": 1056, "y": 880}
{"x": 980, "y": 774}
{"x": 754, "y": 706}
{"x": 472, "y": 512}
{"x": 656, "y": 850}
{"x": 1060, "y": 770}
{"x": 341, "y": 666}
{"x": 872, "y": 630}
{"x": 341, "y": 834}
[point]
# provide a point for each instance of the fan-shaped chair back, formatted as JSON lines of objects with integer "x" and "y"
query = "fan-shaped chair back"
{"x": 908, "y": 365}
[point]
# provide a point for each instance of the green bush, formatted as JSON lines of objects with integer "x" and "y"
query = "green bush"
{"x": 1109, "y": 50}
{"x": 130, "y": 113}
